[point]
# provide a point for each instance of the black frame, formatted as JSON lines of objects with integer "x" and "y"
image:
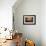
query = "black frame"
{"x": 31, "y": 23}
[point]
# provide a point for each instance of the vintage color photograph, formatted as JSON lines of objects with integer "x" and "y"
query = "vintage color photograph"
{"x": 29, "y": 19}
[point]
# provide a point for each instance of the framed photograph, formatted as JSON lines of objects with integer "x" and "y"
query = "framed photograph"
{"x": 29, "y": 19}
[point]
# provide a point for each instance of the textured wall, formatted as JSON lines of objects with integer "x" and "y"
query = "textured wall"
{"x": 28, "y": 7}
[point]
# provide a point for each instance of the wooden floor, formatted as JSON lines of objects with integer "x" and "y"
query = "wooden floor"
{"x": 9, "y": 43}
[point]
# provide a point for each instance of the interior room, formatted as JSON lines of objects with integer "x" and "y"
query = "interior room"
{"x": 22, "y": 23}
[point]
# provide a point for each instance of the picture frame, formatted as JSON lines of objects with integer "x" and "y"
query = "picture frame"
{"x": 29, "y": 19}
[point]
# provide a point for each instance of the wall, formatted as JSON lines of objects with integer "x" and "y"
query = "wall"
{"x": 6, "y": 13}
{"x": 43, "y": 22}
{"x": 28, "y": 7}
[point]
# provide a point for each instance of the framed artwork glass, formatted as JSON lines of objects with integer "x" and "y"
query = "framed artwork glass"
{"x": 29, "y": 19}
